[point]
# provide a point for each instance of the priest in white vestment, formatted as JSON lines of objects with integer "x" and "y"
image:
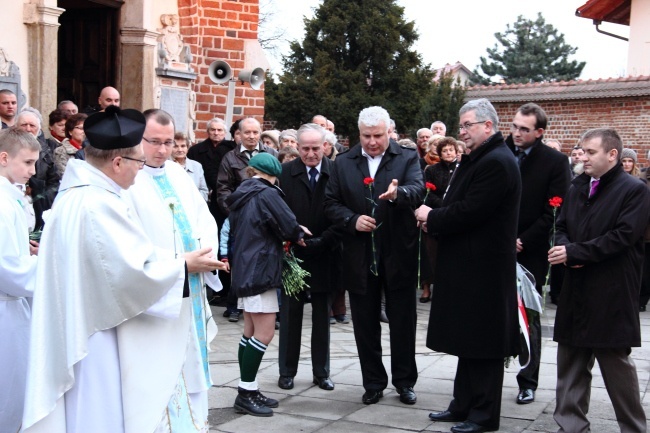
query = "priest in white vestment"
{"x": 176, "y": 217}
{"x": 101, "y": 285}
{"x": 18, "y": 155}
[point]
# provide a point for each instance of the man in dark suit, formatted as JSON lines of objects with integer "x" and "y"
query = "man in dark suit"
{"x": 303, "y": 181}
{"x": 474, "y": 299}
{"x": 373, "y": 190}
{"x": 545, "y": 173}
{"x": 600, "y": 241}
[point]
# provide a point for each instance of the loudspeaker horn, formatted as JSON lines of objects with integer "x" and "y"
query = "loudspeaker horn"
{"x": 220, "y": 72}
{"x": 254, "y": 77}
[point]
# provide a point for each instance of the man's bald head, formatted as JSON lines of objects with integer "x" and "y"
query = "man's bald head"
{"x": 108, "y": 96}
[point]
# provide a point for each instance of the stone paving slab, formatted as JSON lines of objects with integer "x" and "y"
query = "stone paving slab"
{"x": 307, "y": 408}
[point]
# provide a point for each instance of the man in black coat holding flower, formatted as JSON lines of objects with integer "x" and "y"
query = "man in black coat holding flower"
{"x": 373, "y": 189}
{"x": 600, "y": 241}
{"x": 303, "y": 181}
{"x": 545, "y": 173}
{"x": 474, "y": 299}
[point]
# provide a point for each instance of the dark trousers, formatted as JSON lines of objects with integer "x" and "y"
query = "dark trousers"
{"x": 477, "y": 391}
{"x": 400, "y": 309}
{"x": 338, "y": 304}
{"x": 291, "y": 310}
{"x": 573, "y": 389}
{"x": 645, "y": 281}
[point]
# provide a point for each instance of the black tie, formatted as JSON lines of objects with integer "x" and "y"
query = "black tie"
{"x": 250, "y": 153}
{"x": 313, "y": 172}
{"x": 521, "y": 155}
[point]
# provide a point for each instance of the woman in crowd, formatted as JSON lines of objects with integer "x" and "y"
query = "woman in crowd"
{"x": 439, "y": 175}
{"x": 259, "y": 222}
{"x": 72, "y": 145}
{"x": 289, "y": 137}
{"x": 271, "y": 138}
{"x": 629, "y": 161}
{"x": 431, "y": 157}
{"x": 193, "y": 168}
{"x": 57, "y": 129}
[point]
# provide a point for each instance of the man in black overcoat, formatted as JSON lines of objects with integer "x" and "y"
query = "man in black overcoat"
{"x": 545, "y": 173}
{"x": 303, "y": 181}
{"x": 372, "y": 192}
{"x": 474, "y": 299}
{"x": 600, "y": 241}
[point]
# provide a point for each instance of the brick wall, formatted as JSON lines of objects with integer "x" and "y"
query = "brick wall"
{"x": 216, "y": 30}
{"x": 568, "y": 119}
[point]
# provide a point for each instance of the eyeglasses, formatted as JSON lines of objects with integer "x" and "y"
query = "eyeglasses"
{"x": 468, "y": 125}
{"x": 79, "y": 127}
{"x": 168, "y": 143}
{"x": 139, "y": 161}
{"x": 522, "y": 130}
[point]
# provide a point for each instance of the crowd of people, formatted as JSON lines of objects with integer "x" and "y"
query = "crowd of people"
{"x": 120, "y": 233}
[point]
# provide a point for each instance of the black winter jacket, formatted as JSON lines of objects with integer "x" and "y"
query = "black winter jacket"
{"x": 259, "y": 222}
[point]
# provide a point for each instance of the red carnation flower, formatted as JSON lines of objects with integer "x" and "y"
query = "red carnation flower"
{"x": 430, "y": 186}
{"x": 555, "y": 202}
{"x": 368, "y": 181}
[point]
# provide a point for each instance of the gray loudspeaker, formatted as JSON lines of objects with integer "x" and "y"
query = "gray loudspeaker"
{"x": 254, "y": 77}
{"x": 220, "y": 72}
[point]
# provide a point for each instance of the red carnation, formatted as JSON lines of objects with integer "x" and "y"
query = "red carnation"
{"x": 555, "y": 202}
{"x": 368, "y": 181}
{"x": 430, "y": 186}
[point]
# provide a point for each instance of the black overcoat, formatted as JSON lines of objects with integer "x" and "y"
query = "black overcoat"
{"x": 545, "y": 173}
{"x": 396, "y": 240}
{"x": 320, "y": 255}
{"x": 474, "y": 299}
{"x": 599, "y": 302}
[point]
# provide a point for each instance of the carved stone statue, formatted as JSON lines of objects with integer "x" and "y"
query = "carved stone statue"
{"x": 170, "y": 38}
{"x": 5, "y": 64}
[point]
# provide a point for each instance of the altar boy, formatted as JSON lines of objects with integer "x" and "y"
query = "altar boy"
{"x": 18, "y": 155}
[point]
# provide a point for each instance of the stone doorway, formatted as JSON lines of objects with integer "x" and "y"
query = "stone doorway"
{"x": 88, "y": 46}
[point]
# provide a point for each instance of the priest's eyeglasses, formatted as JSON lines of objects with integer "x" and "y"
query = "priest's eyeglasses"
{"x": 139, "y": 161}
{"x": 168, "y": 143}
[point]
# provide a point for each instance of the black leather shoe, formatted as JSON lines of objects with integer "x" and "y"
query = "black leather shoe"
{"x": 372, "y": 397}
{"x": 285, "y": 382}
{"x": 445, "y": 416}
{"x": 324, "y": 383}
{"x": 266, "y": 401}
{"x": 526, "y": 396}
{"x": 407, "y": 395}
{"x": 470, "y": 427}
{"x": 247, "y": 402}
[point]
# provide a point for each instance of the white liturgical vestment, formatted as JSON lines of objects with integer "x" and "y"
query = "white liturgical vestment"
{"x": 100, "y": 286}
{"x": 17, "y": 274}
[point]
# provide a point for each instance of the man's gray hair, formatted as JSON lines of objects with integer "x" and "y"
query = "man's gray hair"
{"x": 248, "y": 120}
{"x": 483, "y": 110}
{"x": 289, "y": 133}
{"x": 330, "y": 137}
{"x": 373, "y": 116}
{"x": 33, "y": 112}
{"x": 421, "y": 130}
{"x": 438, "y": 122}
{"x": 216, "y": 120}
{"x": 311, "y": 127}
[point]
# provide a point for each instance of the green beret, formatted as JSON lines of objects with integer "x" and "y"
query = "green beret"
{"x": 266, "y": 163}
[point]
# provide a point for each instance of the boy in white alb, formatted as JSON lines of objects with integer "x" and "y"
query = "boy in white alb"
{"x": 18, "y": 155}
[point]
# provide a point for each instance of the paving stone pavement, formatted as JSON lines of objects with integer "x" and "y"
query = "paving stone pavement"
{"x": 307, "y": 408}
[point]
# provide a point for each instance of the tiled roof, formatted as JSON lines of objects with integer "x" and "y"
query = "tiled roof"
{"x": 563, "y": 90}
{"x": 613, "y": 11}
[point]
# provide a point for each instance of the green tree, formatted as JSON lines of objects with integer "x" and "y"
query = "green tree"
{"x": 354, "y": 55}
{"x": 530, "y": 51}
{"x": 442, "y": 103}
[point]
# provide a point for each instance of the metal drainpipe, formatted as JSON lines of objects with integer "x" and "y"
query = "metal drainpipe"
{"x": 597, "y": 23}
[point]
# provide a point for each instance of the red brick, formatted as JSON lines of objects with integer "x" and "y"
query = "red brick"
{"x": 232, "y": 6}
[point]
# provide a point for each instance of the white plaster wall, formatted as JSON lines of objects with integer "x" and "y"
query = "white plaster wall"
{"x": 13, "y": 38}
{"x": 638, "y": 58}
